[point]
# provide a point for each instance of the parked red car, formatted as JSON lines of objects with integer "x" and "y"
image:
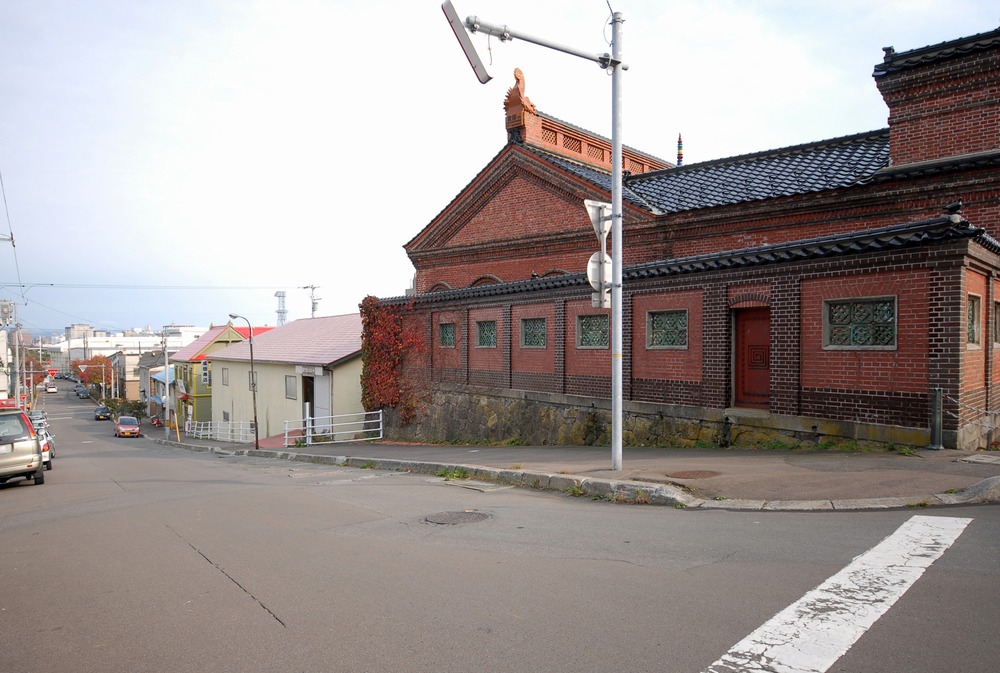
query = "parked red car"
{"x": 127, "y": 426}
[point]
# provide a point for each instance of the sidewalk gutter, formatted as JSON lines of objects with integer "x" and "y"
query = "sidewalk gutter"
{"x": 623, "y": 491}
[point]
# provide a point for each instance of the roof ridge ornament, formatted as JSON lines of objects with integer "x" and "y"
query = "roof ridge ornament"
{"x": 515, "y": 95}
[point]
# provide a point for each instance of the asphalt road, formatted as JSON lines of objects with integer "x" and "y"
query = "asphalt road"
{"x": 139, "y": 557}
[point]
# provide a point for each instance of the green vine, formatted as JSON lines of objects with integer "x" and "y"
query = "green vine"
{"x": 388, "y": 340}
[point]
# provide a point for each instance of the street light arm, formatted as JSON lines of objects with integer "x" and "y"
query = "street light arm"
{"x": 505, "y": 34}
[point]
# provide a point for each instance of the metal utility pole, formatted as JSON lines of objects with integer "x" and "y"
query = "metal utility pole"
{"x": 614, "y": 63}
{"x": 314, "y": 300}
{"x": 166, "y": 388}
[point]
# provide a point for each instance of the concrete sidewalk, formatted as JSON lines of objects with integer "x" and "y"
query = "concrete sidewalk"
{"x": 681, "y": 477}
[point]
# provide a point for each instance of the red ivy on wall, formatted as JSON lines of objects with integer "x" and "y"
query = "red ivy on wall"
{"x": 387, "y": 340}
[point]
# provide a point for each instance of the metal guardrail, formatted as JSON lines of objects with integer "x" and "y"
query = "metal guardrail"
{"x": 364, "y": 426}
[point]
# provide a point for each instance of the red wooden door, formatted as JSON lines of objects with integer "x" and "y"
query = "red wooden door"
{"x": 753, "y": 358}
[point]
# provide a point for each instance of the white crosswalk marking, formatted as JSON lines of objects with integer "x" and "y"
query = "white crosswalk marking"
{"x": 812, "y": 633}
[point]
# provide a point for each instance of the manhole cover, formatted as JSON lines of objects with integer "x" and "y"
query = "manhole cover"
{"x": 693, "y": 474}
{"x": 457, "y": 517}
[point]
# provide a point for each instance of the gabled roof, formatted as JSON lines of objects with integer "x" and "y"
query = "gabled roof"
{"x": 898, "y": 236}
{"x": 789, "y": 171}
{"x": 197, "y": 349}
{"x": 317, "y": 342}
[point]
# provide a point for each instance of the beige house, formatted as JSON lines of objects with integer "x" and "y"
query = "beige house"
{"x": 309, "y": 368}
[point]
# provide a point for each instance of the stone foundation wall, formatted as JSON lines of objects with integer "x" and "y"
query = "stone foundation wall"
{"x": 472, "y": 415}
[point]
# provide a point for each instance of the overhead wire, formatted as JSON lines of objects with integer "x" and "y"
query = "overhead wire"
{"x": 10, "y": 231}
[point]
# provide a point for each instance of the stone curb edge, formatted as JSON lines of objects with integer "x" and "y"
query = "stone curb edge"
{"x": 624, "y": 491}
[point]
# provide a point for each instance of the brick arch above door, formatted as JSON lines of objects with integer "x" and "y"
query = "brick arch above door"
{"x": 750, "y": 300}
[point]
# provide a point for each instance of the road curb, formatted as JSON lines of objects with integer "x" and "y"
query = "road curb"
{"x": 624, "y": 491}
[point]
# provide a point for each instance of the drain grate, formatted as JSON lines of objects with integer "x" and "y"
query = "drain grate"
{"x": 451, "y": 518}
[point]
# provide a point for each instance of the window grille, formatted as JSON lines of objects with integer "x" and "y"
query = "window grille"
{"x": 533, "y": 333}
{"x": 446, "y": 334}
{"x": 593, "y": 331}
{"x": 486, "y": 334}
{"x": 667, "y": 329}
{"x": 862, "y": 323}
{"x": 974, "y": 320}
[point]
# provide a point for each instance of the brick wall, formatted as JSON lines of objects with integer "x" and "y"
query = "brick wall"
{"x": 888, "y": 387}
{"x": 901, "y": 369}
{"x": 946, "y": 109}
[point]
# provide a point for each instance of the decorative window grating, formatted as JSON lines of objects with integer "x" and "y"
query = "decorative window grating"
{"x": 533, "y": 333}
{"x": 595, "y": 152}
{"x": 486, "y": 334}
{"x": 572, "y": 144}
{"x": 974, "y": 320}
{"x": 549, "y": 136}
{"x": 667, "y": 329}
{"x": 446, "y": 334}
{"x": 861, "y": 323}
{"x": 593, "y": 331}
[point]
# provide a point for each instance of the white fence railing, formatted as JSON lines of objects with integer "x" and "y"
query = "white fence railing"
{"x": 363, "y": 426}
{"x": 223, "y": 431}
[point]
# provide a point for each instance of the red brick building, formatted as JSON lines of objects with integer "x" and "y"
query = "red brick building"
{"x": 815, "y": 293}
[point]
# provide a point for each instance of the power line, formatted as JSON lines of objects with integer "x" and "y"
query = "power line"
{"x": 10, "y": 229}
{"x": 93, "y": 286}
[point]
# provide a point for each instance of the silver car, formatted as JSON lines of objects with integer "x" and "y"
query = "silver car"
{"x": 20, "y": 450}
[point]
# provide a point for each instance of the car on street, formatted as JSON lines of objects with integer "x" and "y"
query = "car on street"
{"x": 20, "y": 450}
{"x": 127, "y": 426}
{"x": 102, "y": 413}
{"x": 38, "y": 419}
{"x": 82, "y": 393}
{"x": 48, "y": 444}
{"x": 51, "y": 388}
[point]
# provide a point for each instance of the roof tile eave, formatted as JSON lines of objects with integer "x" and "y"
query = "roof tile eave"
{"x": 867, "y": 240}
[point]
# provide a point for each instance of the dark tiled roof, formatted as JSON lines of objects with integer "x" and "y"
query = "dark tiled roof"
{"x": 814, "y": 167}
{"x": 936, "y": 52}
{"x": 592, "y": 175}
{"x": 923, "y": 232}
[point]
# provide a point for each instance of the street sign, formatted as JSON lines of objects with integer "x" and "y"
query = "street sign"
{"x": 599, "y": 276}
{"x": 52, "y": 372}
{"x": 600, "y": 217}
{"x": 599, "y": 271}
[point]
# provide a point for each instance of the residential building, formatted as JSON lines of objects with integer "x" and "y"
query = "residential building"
{"x": 845, "y": 290}
{"x": 192, "y": 401}
{"x": 152, "y": 381}
{"x": 308, "y": 368}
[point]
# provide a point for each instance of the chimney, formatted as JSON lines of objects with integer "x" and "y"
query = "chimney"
{"x": 944, "y": 100}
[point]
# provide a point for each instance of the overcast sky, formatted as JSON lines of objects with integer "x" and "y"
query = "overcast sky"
{"x": 172, "y": 161}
